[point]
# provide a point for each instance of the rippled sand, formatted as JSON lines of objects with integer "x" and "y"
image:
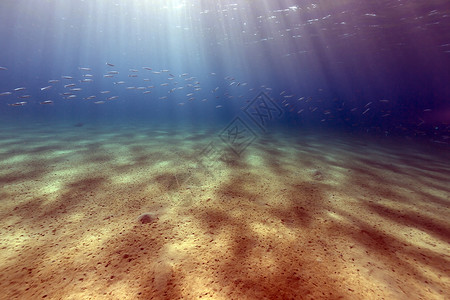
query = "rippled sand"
{"x": 304, "y": 216}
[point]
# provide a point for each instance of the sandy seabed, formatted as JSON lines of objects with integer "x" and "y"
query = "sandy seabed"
{"x": 295, "y": 216}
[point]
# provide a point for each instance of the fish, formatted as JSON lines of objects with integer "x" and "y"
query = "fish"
{"x": 133, "y": 70}
{"x": 108, "y": 76}
{"x": 24, "y": 96}
{"x": 113, "y": 72}
{"x": 384, "y": 101}
{"x": 86, "y": 80}
{"x": 119, "y": 82}
{"x": 20, "y": 89}
{"x": 84, "y": 69}
{"x": 109, "y": 64}
{"x": 69, "y": 85}
{"x": 46, "y": 88}
{"x": 53, "y": 81}
{"x": 66, "y": 77}
{"x": 219, "y": 106}
{"x": 364, "y": 112}
{"x": 18, "y": 104}
{"x": 147, "y": 92}
{"x": 163, "y": 97}
{"x": 112, "y": 98}
{"x": 5, "y": 93}
{"x": 46, "y": 102}
{"x": 368, "y": 104}
{"x": 76, "y": 89}
{"x": 164, "y": 84}
{"x": 3, "y": 68}
{"x": 132, "y": 75}
{"x": 99, "y": 102}
{"x": 105, "y": 92}
{"x": 147, "y": 68}
{"x": 90, "y": 97}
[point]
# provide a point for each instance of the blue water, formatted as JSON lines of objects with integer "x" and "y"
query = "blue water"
{"x": 375, "y": 68}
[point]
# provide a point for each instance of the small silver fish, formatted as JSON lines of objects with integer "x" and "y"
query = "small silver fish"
{"x": 5, "y": 93}
{"x": 109, "y": 64}
{"x": 66, "y": 77}
{"x": 18, "y": 104}
{"x": 46, "y": 102}
{"x": 46, "y": 88}
{"x": 3, "y": 68}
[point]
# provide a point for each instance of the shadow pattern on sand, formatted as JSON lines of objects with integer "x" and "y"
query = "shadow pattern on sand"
{"x": 271, "y": 235}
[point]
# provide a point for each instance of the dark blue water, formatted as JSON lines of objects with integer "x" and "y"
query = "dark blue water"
{"x": 378, "y": 67}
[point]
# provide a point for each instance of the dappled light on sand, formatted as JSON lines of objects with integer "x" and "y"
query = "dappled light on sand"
{"x": 134, "y": 215}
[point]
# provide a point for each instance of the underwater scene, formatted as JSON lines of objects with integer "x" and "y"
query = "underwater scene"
{"x": 226, "y": 149}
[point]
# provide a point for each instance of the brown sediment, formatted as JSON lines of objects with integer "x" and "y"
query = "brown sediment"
{"x": 306, "y": 218}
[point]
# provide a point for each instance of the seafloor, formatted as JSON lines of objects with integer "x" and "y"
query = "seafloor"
{"x": 297, "y": 216}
